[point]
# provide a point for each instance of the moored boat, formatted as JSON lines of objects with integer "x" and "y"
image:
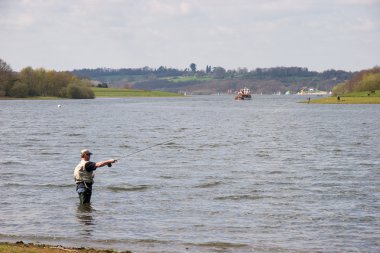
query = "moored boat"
{"x": 244, "y": 94}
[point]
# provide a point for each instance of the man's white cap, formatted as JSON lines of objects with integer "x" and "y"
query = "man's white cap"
{"x": 85, "y": 152}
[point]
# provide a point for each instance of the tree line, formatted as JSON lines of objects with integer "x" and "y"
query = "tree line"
{"x": 215, "y": 72}
{"x": 265, "y": 80}
{"x": 365, "y": 80}
{"x": 31, "y": 82}
{"x": 76, "y": 84}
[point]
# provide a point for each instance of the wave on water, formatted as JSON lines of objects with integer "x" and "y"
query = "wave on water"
{"x": 26, "y": 145}
{"x": 182, "y": 129}
{"x": 220, "y": 245}
{"x": 196, "y": 247}
{"x": 276, "y": 172}
{"x": 11, "y": 163}
{"x": 215, "y": 145}
{"x": 48, "y": 153}
{"x": 172, "y": 144}
{"x": 208, "y": 184}
{"x": 151, "y": 241}
{"x": 13, "y": 184}
{"x": 237, "y": 247}
{"x": 239, "y": 197}
{"x": 128, "y": 188}
{"x": 74, "y": 135}
{"x": 33, "y": 139}
{"x": 40, "y": 185}
{"x": 56, "y": 185}
{"x": 41, "y": 133}
{"x": 125, "y": 146}
{"x": 166, "y": 177}
{"x": 263, "y": 154}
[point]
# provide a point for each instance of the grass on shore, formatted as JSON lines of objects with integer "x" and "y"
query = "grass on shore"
{"x": 20, "y": 247}
{"x": 31, "y": 98}
{"x": 109, "y": 93}
{"x": 350, "y": 98}
{"x": 118, "y": 93}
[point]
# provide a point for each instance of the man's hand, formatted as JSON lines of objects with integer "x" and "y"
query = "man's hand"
{"x": 111, "y": 162}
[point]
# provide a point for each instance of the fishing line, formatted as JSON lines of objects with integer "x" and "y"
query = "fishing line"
{"x": 141, "y": 150}
{"x": 149, "y": 147}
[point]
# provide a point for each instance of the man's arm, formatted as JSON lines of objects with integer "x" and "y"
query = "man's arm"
{"x": 104, "y": 163}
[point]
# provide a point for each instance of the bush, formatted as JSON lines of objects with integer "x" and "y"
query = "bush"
{"x": 339, "y": 89}
{"x": 19, "y": 90}
{"x": 63, "y": 92}
{"x": 79, "y": 92}
{"x": 369, "y": 82}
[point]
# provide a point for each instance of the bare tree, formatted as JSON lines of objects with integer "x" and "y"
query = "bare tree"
{"x": 6, "y": 78}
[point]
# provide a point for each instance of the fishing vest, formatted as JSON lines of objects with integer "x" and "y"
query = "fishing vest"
{"x": 81, "y": 174}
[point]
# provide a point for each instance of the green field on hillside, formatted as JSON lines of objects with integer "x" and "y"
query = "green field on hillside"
{"x": 179, "y": 79}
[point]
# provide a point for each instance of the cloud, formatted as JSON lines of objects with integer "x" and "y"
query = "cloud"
{"x": 357, "y": 2}
{"x": 176, "y": 8}
{"x": 364, "y": 25}
{"x": 284, "y": 6}
{"x": 127, "y": 33}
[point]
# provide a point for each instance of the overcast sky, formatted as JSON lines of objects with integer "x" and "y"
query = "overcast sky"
{"x": 73, "y": 34}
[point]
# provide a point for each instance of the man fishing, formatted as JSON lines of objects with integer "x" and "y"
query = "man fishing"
{"x": 84, "y": 175}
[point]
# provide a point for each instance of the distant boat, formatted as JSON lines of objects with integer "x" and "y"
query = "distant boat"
{"x": 244, "y": 94}
{"x": 312, "y": 91}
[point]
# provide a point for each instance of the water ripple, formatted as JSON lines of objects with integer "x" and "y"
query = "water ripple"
{"x": 129, "y": 188}
{"x": 270, "y": 175}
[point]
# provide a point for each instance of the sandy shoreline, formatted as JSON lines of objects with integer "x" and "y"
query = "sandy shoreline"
{"x": 21, "y": 247}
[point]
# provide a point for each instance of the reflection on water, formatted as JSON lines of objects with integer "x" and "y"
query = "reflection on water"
{"x": 86, "y": 219}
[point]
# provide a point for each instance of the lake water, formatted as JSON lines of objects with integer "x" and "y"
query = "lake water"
{"x": 266, "y": 175}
